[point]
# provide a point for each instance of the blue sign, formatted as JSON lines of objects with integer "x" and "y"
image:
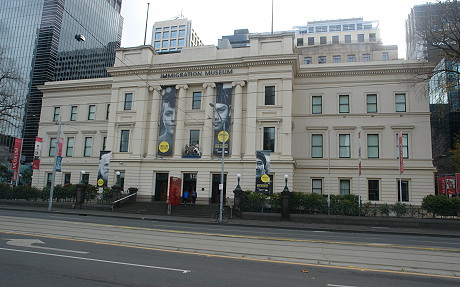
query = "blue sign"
{"x": 58, "y": 165}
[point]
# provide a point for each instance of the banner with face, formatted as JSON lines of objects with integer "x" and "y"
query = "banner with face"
{"x": 167, "y": 121}
{"x": 263, "y": 171}
{"x": 103, "y": 171}
{"x": 222, "y": 118}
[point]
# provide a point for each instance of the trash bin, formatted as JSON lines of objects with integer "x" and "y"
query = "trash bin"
{"x": 80, "y": 196}
{"x": 132, "y": 190}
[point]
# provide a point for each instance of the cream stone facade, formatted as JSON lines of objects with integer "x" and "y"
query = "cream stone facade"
{"x": 315, "y": 117}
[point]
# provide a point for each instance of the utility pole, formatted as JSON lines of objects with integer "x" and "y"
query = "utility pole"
{"x": 53, "y": 176}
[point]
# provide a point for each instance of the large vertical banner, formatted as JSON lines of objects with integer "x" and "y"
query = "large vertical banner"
{"x": 263, "y": 171}
{"x": 401, "y": 155}
{"x": 37, "y": 153}
{"x": 222, "y": 117}
{"x": 450, "y": 184}
{"x": 167, "y": 119}
{"x": 16, "y": 160}
{"x": 103, "y": 170}
{"x": 441, "y": 185}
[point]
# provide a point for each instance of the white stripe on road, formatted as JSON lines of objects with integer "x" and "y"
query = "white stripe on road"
{"x": 333, "y": 285}
{"x": 98, "y": 260}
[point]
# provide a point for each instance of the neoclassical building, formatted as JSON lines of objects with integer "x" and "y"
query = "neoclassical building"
{"x": 315, "y": 122}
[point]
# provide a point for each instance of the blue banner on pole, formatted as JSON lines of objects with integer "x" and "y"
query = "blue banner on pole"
{"x": 58, "y": 165}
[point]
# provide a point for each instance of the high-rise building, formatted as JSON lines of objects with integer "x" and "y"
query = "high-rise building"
{"x": 173, "y": 35}
{"x": 41, "y": 38}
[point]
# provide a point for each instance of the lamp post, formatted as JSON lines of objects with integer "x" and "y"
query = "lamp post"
{"x": 286, "y": 189}
{"x": 238, "y": 187}
{"x": 221, "y": 186}
{"x": 118, "y": 177}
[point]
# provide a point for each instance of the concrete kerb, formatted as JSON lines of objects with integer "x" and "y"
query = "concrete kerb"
{"x": 292, "y": 224}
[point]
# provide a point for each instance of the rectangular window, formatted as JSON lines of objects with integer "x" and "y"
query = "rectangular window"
{"x": 57, "y": 113}
{"x": 88, "y": 146}
{"x": 181, "y": 43}
{"x": 347, "y": 38}
{"x": 335, "y": 39}
{"x": 344, "y": 104}
{"x": 349, "y": 27}
{"x": 317, "y": 146}
{"x": 317, "y": 186}
{"x": 385, "y": 56}
{"x": 67, "y": 177}
{"x": 360, "y": 38}
{"x": 405, "y": 145}
{"x": 307, "y": 60}
{"x": 366, "y": 57}
{"x": 165, "y": 44}
{"x": 107, "y": 112}
{"x": 269, "y": 139}
{"x": 336, "y": 59}
{"x": 344, "y": 186}
{"x": 73, "y": 113}
{"x": 166, "y": 35}
{"x": 181, "y": 33}
{"x": 373, "y": 187}
{"x": 322, "y": 60}
{"x": 299, "y": 42}
{"x": 196, "y": 101}
{"x": 400, "y": 102}
{"x": 269, "y": 95}
{"x": 128, "y": 102}
{"x": 405, "y": 190}
{"x": 323, "y": 40}
{"x": 69, "y": 147}
{"x": 344, "y": 146}
{"x": 321, "y": 29}
{"x": 351, "y": 58}
{"x": 157, "y": 35}
{"x": 49, "y": 177}
{"x": 373, "y": 146}
{"x": 91, "y": 112}
{"x": 316, "y": 105}
{"x": 174, "y": 34}
{"x": 372, "y": 37}
{"x": 311, "y": 41}
{"x": 53, "y": 147}
{"x": 195, "y": 137}
{"x": 157, "y": 45}
{"x": 371, "y": 100}
{"x": 335, "y": 28}
{"x": 173, "y": 43}
{"x": 124, "y": 140}
{"x": 85, "y": 178}
{"x": 104, "y": 143}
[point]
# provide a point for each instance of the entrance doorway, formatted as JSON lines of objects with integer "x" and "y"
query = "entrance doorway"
{"x": 161, "y": 187}
{"x": 215, "y": 195}
{"x": 189, "y": 185}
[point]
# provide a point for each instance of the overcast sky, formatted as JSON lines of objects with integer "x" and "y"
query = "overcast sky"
{"x": 213, "y": 19}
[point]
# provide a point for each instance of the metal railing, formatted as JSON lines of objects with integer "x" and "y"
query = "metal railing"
{"x": 122, "y": 200}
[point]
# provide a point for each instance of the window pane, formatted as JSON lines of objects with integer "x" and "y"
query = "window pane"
{"x": 91, "y": 112}
{"x": 269, "y": 95}
{"x": 317, "y": 103}
{"x": 373, "y": 146}
{"x": 88, "y": 147}
{"x": 73, "y": 113}
{"x": 405, "y": 190}
{"x": 372, "y": 103}
{"x": 317, "y": 146}
{"x": 307, "y": 60}
{"x": 195, "y": 137}
{"x": 400, "y": 102}
{"x": 124, "y": 140}
{"x": 344, "y": 104}
{"x": 53, "y": 145}
{"x": 196, "y": 101}
{"x": 57, "y": 113}
{"x": 128, "y": 101}
{"x": 269, "y": 139}
{"x": 373, "y": 189}
{"x": 344, "y": 146}
{"x": 70, "y": 144}
{"x": 344, "y": 186}
{"x": 317, "y": 186}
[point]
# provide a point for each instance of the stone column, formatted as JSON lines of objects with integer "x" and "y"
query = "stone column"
{"x": 251, "y": 121}
{"x": 207, "y": 137}
{"x": 179, "y": 136}
{"x": 154, "y": 117}
{"x": 286, "y": 124}
{"x": 237, "y": 119}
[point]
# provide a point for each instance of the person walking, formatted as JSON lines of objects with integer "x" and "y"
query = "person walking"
{"x": 194, "y": 196}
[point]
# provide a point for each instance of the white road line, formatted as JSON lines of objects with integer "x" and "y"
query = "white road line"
{"x": 333, "y": 285}
{"x": 99, "y": 260}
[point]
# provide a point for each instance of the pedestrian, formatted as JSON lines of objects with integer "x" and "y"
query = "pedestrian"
{"x": 194, "y": 196}
{"x": 185, "y": 197}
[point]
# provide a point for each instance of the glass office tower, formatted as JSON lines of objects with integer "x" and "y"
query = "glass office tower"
{"x": 39, "y": 36}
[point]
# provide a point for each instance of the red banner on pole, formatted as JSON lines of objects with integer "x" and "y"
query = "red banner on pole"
{"x": 60, "y": 143}
{"x": 37, "y": 153}
{"x": 441, "y": 185}
{"x": 16, "y": 160}
{"x": 401, "y": 155}
{"x": 450, "y": 184}
{"x": 175, "y": 184}
{"x": 457, "y": 188}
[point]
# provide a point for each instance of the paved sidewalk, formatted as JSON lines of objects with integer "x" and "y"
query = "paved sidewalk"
{"x": 243, "y": 222}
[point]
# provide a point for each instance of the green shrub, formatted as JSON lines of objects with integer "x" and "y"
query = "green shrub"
{"x": 438, "y": 205}
{"x": 295, "y": 201}
{"x": 256, "y": 201}
{"x": 384, "y": 209}
{"x": 399, "y": 208}
{"x": 314, "y": 203}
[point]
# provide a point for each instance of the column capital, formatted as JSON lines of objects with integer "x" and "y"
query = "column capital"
{"x": 185, "y": 87}
{"x": 209, "y": 85}
{"x": 156, "y": 88}
{"x": 239, "y": 83}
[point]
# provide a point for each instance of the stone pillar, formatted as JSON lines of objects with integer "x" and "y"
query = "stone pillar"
{"x": 207, "y": 137}
{"x": 237, "y": 119}
{"x": 286, "y": 124}
{"x": 154, "y": 117}
{"x": 179, "y": 136}
{"x": 251, "y": 122}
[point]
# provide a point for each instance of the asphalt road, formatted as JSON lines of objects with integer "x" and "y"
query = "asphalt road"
{"x": 40, "y": 249}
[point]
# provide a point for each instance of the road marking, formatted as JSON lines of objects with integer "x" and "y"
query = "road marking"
{"x": 29, "y": 242}
{"x": 333, "y": 285}
{"x": 98, "y": 260}
{"x": 354, "y": 268}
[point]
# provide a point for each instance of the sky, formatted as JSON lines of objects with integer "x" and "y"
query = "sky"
{"x": 212, "y": 19}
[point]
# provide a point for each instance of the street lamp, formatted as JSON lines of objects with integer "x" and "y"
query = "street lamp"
{"x": 81, "y": 178}
{"x": 238, "y": 176}
{"x": 286, "y": 189}
{"x": 221, "y": 186}
{"x": 118, "y": 177}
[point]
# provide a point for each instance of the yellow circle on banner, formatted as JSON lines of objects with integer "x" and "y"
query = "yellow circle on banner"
{"x": 100, "y": 182}
{"x": 265, "y": 178}
{"x": 163, "y": 146}
{"x": 223, "y": 136}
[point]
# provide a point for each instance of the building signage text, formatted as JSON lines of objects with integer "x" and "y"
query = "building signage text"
{"x": 197, "y": 74}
